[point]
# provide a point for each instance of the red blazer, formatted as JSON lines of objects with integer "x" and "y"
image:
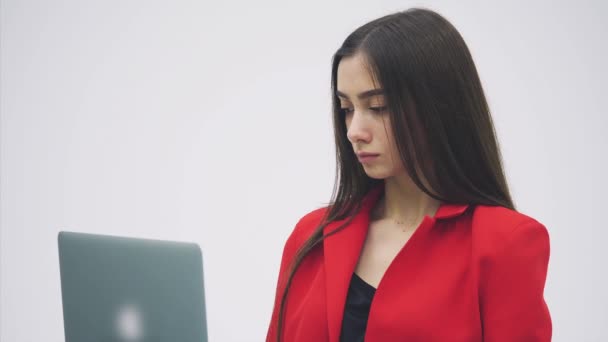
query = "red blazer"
{"x": 464, "y": 275}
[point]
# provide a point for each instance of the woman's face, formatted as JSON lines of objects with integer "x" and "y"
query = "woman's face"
{"x": 367, "y": 119}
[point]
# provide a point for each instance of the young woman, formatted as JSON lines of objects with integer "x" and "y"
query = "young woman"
{"x": 421, "y": 240}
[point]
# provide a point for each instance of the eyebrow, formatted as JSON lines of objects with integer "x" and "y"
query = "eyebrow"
{"x": 364, "y": 94}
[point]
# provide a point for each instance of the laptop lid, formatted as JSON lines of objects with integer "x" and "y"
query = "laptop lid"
{"x": 123, "y": 289}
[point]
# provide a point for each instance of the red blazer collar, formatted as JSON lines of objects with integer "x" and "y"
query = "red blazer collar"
{"x": 342, "y": 250}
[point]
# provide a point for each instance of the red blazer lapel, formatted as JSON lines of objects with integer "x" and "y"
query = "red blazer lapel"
{"x": 341, "y": 253}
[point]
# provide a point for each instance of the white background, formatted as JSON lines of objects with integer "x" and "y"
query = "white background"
{"x": 210, "y": 122}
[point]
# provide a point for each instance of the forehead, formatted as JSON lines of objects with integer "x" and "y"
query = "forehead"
{"x": 354, "y": 76}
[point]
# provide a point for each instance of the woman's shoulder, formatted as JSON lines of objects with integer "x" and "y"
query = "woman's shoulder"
{"x": 495, "y": 226}
{"x": 501, "y": 216}
{"x": 307, "y": 223}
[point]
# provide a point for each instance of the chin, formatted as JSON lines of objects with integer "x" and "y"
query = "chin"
{"x": 377, "y": 174}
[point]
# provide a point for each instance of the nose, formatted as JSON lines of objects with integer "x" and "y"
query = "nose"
{"x": 357, "y": 129}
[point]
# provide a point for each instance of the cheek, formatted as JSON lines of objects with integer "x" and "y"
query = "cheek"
{"x": 391, "y": 146}
{"x": 387, "y": 135}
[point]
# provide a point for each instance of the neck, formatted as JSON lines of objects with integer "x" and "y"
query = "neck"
{"x": 404, "y": 202}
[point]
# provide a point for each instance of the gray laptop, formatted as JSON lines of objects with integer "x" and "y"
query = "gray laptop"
{"x": 118, "y": 289}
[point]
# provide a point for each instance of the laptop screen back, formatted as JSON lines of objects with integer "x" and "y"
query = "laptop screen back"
{"x": 131, "y": 290}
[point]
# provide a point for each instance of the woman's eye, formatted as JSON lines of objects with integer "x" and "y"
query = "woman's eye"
{"x": 345, "y": 110}
{"x": 378, "y": 109}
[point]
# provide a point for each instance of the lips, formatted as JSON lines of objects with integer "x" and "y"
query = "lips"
{"x": 366, "y": 157}
{"x": 366, "y": 154}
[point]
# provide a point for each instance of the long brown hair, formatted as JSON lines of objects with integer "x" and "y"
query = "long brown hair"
{"x": 422, "y": 63}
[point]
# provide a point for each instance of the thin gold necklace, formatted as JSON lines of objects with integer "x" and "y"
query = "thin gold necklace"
{"x": 402, "y": 224}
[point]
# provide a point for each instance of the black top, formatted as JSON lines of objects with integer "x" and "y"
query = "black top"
{"x": 356, "y": 310}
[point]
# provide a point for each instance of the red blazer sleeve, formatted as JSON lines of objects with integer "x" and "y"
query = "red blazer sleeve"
{"x": 289, "y": 251}
{"x": 512, "y": 282}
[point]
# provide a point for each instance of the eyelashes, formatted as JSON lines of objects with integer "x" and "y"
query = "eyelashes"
{"x": 345, "y": 111}
{"x": 378, "y": 109}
